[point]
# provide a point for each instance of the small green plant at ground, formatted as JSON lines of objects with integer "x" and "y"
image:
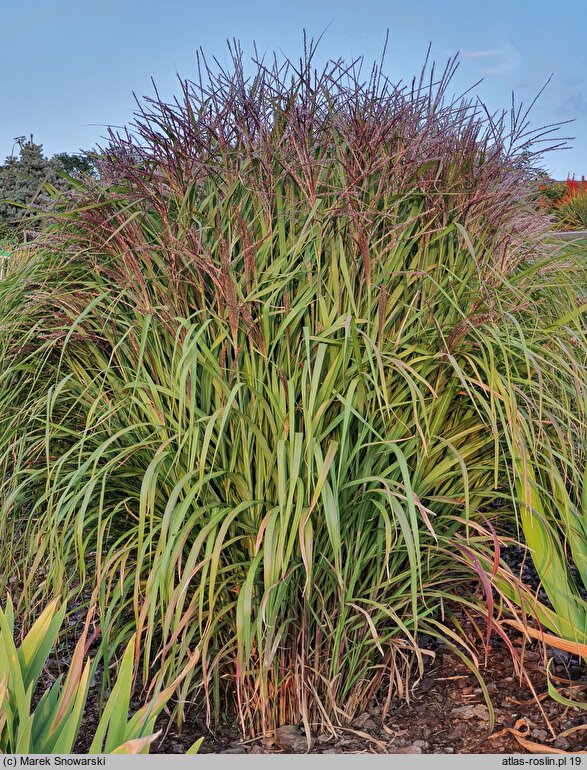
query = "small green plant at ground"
{"x": 551, "y": 194}
{"x": 53, "y": 725}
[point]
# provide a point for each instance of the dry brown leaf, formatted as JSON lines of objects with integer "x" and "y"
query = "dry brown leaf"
{"x": 380, "y": 744}
{"x": 531, "y": 746}
{"x": 528, "y": 701}
{"x": 450, "y": 678}
{"x": 575, "y": 648}
{"x": 571, "y": 730}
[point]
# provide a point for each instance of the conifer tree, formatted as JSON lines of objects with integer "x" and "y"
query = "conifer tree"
{"x": 23, "y": 181}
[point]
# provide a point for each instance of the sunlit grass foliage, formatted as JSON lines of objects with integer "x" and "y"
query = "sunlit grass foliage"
{"x": 263, "y": 381}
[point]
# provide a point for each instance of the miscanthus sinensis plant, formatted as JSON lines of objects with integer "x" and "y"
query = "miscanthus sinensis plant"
{"x": 261, "y": 383}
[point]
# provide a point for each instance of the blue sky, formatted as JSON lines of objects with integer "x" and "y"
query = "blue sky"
{"x": 68, "y": 67}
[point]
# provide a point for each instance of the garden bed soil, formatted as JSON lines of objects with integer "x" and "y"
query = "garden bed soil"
{"x": 446, "y": 714}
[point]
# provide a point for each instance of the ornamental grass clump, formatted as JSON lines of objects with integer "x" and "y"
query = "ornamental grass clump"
{"x": 261, "y": 383}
